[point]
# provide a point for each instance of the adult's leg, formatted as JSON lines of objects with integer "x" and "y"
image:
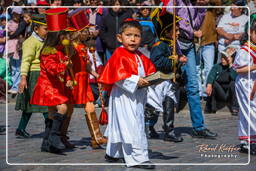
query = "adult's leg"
{"x": 97, "y": 138}
{"x": 15, "y": 66}
{"x": 192, "y": 89}
{"x": 208, "y": 54}
{"x": 191, "y": 81}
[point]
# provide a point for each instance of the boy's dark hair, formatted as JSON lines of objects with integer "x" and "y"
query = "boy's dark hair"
{"x": 130, "y": 23}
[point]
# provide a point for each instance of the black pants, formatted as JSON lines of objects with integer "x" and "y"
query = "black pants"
{"x": 223, "y": 93}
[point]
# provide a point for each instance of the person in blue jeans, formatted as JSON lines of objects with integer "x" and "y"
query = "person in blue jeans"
{"x": 195, "y": 17}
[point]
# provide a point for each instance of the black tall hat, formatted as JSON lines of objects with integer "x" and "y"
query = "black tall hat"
{"x": 162, "y": 20}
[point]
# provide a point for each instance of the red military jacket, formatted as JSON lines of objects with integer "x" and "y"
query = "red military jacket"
{"x": 50, "y": 89}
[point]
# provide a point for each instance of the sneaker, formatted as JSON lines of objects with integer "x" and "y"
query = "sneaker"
{"x": 204, "y": 133}
{"x": 22, "y": 134}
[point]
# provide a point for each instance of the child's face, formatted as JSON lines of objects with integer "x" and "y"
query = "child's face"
{"x": 41, "y": 10}
{"x": 84, "y": 34}
{"x": 3, "y": 22}
{"x": 41, "y": 31}
{"x": 145, "y": 12}
{"x": 130, "y": 38}
{"x": 26, "y": 18}
{"x": 169, "y": 34}
{"x": 253, "y": 36}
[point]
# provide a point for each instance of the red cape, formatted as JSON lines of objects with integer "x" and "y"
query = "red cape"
{"x": 122, "y": 65}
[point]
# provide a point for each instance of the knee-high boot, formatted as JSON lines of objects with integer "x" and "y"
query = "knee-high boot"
{"x": 97, "y": 138}
{"x": 63, "y": 133}
{"x": 45, "y": 145}
{"x": 54, "y": 137}
{"x": 168, "y": 119}
{"x": 151, "y": 117}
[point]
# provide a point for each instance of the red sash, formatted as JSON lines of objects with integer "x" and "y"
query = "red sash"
{"x": 246, "y": 48}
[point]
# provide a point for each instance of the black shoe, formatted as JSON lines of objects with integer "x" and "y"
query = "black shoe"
{"x": 172, "y": 137}
{"x": 205, "y": 133}
{"x": 208, "y": 111}
{"x": 113, "y": 160}
{"x": 145, "y": 165}
{"x": 243, "y": 148}
{"x": 22, "y": 134}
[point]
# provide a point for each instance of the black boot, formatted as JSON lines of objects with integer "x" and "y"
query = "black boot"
{"x": 54, "y": 136}
{"x": 151, "y": 117}
{"x": 45, "y": 145}
{"x": 168, "y": 119}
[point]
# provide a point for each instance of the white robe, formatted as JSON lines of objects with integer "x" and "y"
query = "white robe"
{"x": 243, "y": 86}
{"x": 126, "y": 129}
{"x": 157, "y": 93}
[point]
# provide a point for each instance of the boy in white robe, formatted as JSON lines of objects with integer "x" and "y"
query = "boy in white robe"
{"x": 123, "y": 76}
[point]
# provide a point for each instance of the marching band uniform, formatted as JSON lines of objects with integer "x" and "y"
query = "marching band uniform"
{"x": 50, "y": 89}
{"x": 125, "y": 130}
{"x": 82, "y": 92}
{"x": 243, "y": 85}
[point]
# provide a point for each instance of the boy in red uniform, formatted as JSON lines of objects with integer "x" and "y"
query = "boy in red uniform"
{"x": 52, "y": 85}
{"x": 124, "y": 73}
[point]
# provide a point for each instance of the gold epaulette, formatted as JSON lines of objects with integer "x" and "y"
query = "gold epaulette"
{"x": 49, "y": 50}
{"x": 156, "y": 44}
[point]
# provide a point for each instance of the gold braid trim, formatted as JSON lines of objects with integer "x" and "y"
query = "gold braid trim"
{"x": 49, "y": 50}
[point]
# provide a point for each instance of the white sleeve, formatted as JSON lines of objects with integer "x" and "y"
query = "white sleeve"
{"x": 222, "y": 21}
{"x": 129, "y": 84}
{"x": 242, "y": 59}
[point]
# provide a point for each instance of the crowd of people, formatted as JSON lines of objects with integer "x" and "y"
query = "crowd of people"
{"x": 62, "y": 57}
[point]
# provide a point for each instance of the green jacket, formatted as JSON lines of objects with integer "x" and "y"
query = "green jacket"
{"x": 217, "y": 69}
{"x": 5, "y": 76}
{"x": 31, "y": 49}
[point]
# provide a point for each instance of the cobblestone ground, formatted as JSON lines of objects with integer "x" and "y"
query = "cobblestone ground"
{"x": 25, "y": 154}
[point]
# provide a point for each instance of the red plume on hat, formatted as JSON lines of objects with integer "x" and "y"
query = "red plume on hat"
{"x": 78, "y": 20}
{"x": 56, "y": 19}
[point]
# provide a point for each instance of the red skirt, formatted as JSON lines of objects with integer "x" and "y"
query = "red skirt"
{"x": 49, "y": 94}
{"x": 82, "y": 92}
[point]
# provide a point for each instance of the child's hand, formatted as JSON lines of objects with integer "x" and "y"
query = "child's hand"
{"x": 183, "y": 59}
{"x": 68, "y": 64}
{"x": 69, "y": 84}
{"x": 23, "y": 84}
{"x": 142, "y": 82}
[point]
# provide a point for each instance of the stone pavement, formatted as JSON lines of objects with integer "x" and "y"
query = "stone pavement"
{"x": 25, "y": 154}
